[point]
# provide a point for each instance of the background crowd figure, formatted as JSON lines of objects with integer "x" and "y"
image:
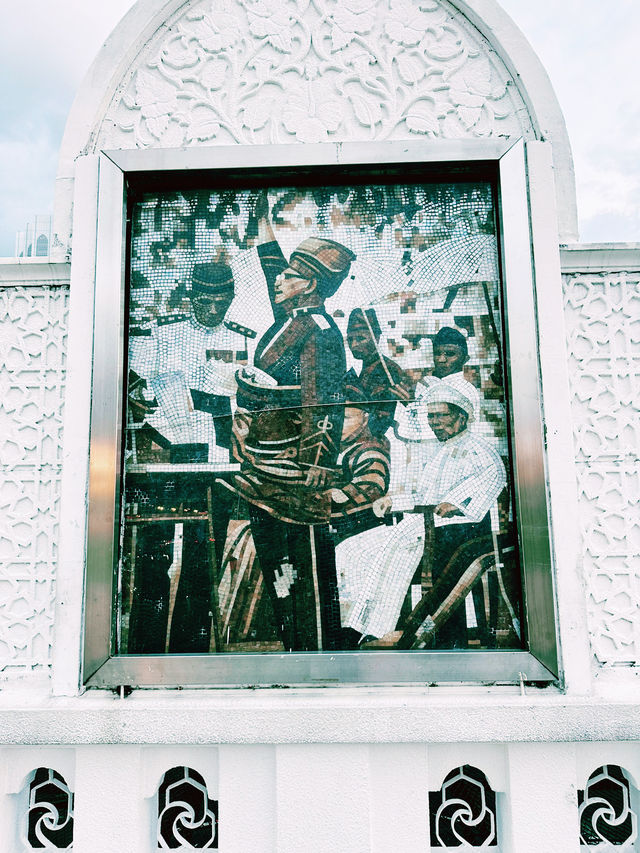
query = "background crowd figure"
{"x": 316, "y": 453}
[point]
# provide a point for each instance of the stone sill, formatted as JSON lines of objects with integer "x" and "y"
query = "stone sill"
{"x": 25, "y": 272}
{"x": 599, "y": 257}
{"x": 320, "y": 715}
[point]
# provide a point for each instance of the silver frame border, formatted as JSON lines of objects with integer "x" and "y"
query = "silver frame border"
{"x": 540, "y": 663}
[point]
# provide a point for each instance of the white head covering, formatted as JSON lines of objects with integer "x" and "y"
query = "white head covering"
{"x": 441, "y": 392}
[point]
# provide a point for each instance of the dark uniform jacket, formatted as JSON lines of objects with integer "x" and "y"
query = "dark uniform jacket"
{"x": 282, "y": 431}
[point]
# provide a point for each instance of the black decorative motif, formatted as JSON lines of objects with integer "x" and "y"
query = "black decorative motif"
{"x": 605, "y": 809}
{"x": 187, "y": 818}
{"x": 50, "y": 819}
{"x": 463, "y": 811}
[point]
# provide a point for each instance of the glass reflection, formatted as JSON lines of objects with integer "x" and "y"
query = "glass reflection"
{"x": 316, "y": 445}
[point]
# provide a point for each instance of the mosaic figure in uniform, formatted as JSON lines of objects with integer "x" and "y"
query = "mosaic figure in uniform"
{"x": 188, "y": 362}
{"x": 289, "y": 506}
{"x": 182, "y": 369}
{"x": 287, "y": 431}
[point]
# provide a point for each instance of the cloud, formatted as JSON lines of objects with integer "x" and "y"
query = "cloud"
{"x": 26, "y": 170}
{"x": 45, "y": 51}
{"x": 608, "y": 201}
{"x": 587, "y": 47}
{"x": 61, "y": 38}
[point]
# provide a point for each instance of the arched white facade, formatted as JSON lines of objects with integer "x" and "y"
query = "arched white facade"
{"x": 342, "y": 767}
{"x": 210, "y": 72}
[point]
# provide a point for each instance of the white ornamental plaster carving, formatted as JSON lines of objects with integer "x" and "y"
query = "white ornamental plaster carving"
{"x": 602, "y": 311}
{"x": 277, "y": 71}
{"x": 33, "y": 324}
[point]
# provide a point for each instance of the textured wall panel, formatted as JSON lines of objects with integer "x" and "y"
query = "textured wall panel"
{"x": 603, "y": 324}
{"x": 604, "y": 346}
{"x": 273, "y": 71}
{"x": 32, "y": 371}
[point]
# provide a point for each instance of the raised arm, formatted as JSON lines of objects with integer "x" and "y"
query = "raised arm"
{"x": 272, "y": 260}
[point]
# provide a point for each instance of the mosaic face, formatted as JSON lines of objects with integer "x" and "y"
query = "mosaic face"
{"x": 316, "y": 445}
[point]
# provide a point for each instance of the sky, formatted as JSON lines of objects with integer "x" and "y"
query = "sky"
{"x": 588, "y": 47}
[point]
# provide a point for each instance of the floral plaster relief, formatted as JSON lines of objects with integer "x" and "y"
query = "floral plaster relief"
{"x": 277, "y": 71}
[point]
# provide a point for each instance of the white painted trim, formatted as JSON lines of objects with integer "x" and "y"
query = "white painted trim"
{"x": 534, "y": 85}
{"x": 67, "y": 633}
{"x": 105, "y": 74}
{"x": 600, "y": 257}
{"x": 321, "y": 715}
{"x": 18, "y": 272}
{"x": 556, "y": 404}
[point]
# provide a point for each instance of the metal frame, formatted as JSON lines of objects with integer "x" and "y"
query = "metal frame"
{"x": 540, "y": 663}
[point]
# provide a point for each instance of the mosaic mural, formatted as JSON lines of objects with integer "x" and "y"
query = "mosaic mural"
{"x": 316, "y": 430}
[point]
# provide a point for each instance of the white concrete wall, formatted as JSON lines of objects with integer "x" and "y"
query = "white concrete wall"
{"x": 351, "y": 798}
{"x": 33, "y": 328}
{"x": 600, "y": 308}
{"x": 348, "y": 769}
{"x": 601, "y": 286}
{"x": 200, "y": 73}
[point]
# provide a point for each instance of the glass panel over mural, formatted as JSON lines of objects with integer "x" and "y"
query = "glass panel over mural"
{"x": 316, "y": 439}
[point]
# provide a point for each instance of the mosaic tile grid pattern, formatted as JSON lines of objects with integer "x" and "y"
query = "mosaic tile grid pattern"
{"x": 321, "y": 399}
{"x": 32, "y": 377}
{"x": 602, "y": 311}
